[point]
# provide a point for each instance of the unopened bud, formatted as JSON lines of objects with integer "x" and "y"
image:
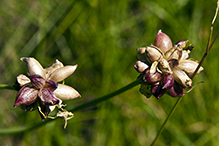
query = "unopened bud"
{"x": 163, "y": 41}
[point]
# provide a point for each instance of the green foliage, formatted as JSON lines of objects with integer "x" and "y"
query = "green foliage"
{"x": 102, "y": 37}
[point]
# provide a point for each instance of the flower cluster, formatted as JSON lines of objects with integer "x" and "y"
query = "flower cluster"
{"x": 165, "y": 68}
{"x": 39, "y": 89}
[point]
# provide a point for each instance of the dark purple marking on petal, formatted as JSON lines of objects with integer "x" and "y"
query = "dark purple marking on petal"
{"x": 37, "y": 81}
{"x": 52, "y": 85}
{"x": 173, "y": 63}
{"x": 176, "y": 90}
{"x": 48, "y": 97}
{"x": 168, "y": 81}
{"x": 43, "y": 110}
{"x": 158, "y": 91}
{"x": 26, "y": 96}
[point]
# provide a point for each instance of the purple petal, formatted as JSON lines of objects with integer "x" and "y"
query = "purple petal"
{"x": 176, "y": 90}
{"x": 152, "y": 77}
{"x": 37, "y": 81}
{"x": 158, "y": 91}
{"x": 47, "y": 97}
{"x": 52, "y": 85}
{"x": 26, "y": 96}
{"x": 168, "y": 81}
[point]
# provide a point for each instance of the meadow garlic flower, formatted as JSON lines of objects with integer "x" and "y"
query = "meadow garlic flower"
{"x": 40, "y": 88}
{"x": 165, "y": 68}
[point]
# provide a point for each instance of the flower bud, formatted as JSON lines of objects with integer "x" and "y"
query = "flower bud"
{"x": 176, "y": 90}
{"x": 33, "y": 66}
{"x": 153, "y": 54}
{"x": 189, "y": 66}
{"x": 152, "y": 77}
{"x": 61, "y": 73}
{"x": 163, "y": 41}
{"x": 167, "y": 81}
{"x": 140, "y": 66}
{"x": 182, "y": 78}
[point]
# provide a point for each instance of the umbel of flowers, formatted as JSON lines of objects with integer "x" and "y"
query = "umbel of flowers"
{"x": 165, "y": 68}
{"x": 39, "y": 88}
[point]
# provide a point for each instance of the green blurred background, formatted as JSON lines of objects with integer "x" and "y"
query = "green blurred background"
{"x": 102, "y": 37}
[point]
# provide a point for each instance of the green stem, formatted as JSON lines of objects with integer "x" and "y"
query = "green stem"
{"x": 4, "y": 86}
{"x": 170, "y": 114}
{"x": 30, "y": 127}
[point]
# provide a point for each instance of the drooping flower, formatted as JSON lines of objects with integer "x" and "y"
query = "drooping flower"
{"x": 165, "y": 67}
{"x": 40, "y": 88}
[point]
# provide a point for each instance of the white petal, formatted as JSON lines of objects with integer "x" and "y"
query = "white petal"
{"x": 33, "y": 66}
{"x": 50, "y": 69}
{"x": 65, "y": 92}
{"x": 61, "y": 73}
{"x": 189, "y": 66}
{"x": 140, "y": 66}
{"x": 182, "y": 78}
{"x": 22, "y": 79}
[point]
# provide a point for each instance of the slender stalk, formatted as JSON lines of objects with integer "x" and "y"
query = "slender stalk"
{"x": 30, "y": 127}
{"x": 170, "y": 114}
{"x": 4, "y": 86}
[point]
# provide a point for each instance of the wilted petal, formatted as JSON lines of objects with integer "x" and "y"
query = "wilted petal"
{"x": 52, "y": 85}
{"x": 173, "y": 63}
{"x": 140, "y": 66}
{"x": 176, "y": 90}
{"x": 26, "y": 96}
{"x": 189, "y": 66}
{"x": 141, "y": 55}
{"x": 37, "y": 81}
{"x": 65, "y": 92}
{"x": 185, "y": 54}
{"x": 43, "y": 110}
{"x": 47, "y": 97}
{"x": 182, "y": 78}
{"x": 33, "y": 66}
{"x": 49, "y": 70}
{"x": 181, "y": 43}
{"x": 173, "y": 53}
{"x": 163, "y": 41}
{"x": 22, "y": 79}
{"x": 61, "y": 73}
{"x": 153, "y": 54}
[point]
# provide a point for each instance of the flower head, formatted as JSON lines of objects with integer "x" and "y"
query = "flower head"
{"x": 165, "y": 68}
{"x": 40, "y": 88}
